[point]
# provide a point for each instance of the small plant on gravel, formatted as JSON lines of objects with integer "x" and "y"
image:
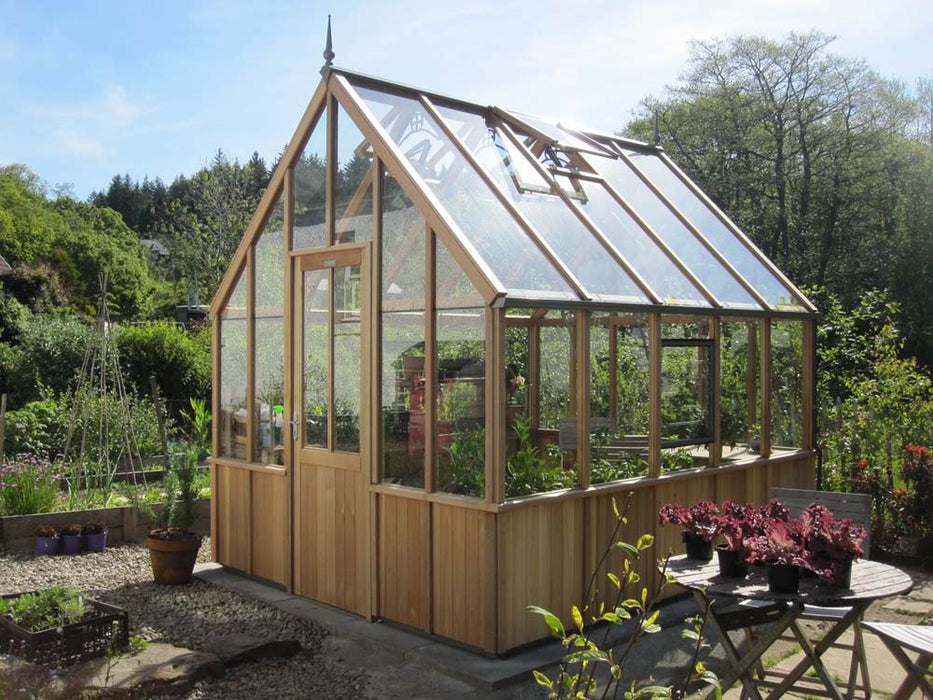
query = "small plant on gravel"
{"x": 71, "y": 529}
{"x": 180, "y": 504}
{"x": 594, "y": 668}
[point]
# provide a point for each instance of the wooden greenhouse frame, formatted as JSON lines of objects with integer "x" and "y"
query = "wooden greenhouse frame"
{"x": 413, "y": 251}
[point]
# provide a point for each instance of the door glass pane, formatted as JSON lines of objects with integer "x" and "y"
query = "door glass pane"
{"x": 786, "y": 384}
{"x": 354, "y": 191}
{"x": 316, "y": 347}
{"x": 233, "y": 374}
{"x": 309, "y": 189}
{"x": 347, "y": 364}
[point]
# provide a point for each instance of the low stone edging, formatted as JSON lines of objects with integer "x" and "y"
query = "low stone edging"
{"x": 125, "y": 524}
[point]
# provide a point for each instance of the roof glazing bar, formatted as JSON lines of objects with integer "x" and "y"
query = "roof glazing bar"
{"x": 506, "y": 201}
{"x": 593, "y": 229}
{"x": 743, "y": 238}
{"x": 699, "y": 236}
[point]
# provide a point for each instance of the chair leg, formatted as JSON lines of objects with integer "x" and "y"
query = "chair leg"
{"x": 749, "y": 640}
{"x": 859, "y": 664}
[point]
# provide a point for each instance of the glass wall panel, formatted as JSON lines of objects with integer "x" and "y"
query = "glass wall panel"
{"x": 786, "y": 384}
{"x": 460, "y": 458}
{"x": 618, "y": 397}
{"x": 726, "y": 242}
{"x": 316, "y": 356}
{"x": 403, "y": 241}
{"x": 686, "y": 395}
{"x": 677, "y": 236}
{"x": 539, "y": 458}
{"x": 310, "y": 184}
{"x": 403, "y": 397}
{"x": 233, "y": 415}
{"x": 740, "y": 389}
{"x": 347, "y": 354}
{"x": 548, "y": 214}
{"x": 485, "y": 223}
{"x": 354, "y": 188}
{"x": 269, "y": 407}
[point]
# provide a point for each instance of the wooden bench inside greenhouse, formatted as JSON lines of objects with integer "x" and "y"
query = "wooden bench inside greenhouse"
{"x": 454, "y": 336}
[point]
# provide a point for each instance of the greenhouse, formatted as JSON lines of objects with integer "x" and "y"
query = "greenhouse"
{"x": 454, "y": 335}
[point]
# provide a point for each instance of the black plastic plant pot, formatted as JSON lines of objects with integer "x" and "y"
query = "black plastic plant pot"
{"x": 698, "y": 547}
{"x": 731, "y": 564}
{"x": 843, "y": 577}
{"x": 783, "y": 578}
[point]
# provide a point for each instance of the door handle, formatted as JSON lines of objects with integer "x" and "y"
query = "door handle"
{"x": 294, "y": 423}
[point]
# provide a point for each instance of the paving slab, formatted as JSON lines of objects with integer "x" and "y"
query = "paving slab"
{"x": 159, "y": 669}
{"x": 232, "y": 580}
{"x": 238, "y": 648}
{"x": 920, "y": 608}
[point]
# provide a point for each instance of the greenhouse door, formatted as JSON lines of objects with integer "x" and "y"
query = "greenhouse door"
{"x": 331, "y": 426}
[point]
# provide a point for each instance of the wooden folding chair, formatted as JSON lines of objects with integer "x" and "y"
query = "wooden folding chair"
{"x": 916, "y": 638}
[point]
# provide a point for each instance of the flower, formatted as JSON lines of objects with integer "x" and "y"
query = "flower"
{"x": 701, "y": 519}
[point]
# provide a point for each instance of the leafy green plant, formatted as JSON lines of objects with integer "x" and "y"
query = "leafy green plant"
{"x": 528, "y": 471}
{"x": 51, "y": 607}
{"x": 603, "y": 470}
{"x": 593, "y": 666}
{"x": 29, "y": 484}
{"x": 677, "y": 460}
{"x": 199, "y": 423}
{"x": 180, "y": 505}
{"x": 466, "y": 463}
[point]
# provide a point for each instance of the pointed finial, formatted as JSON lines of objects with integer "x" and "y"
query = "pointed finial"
{"x": 329, "y": 47}
{"x": 657, "y": 129}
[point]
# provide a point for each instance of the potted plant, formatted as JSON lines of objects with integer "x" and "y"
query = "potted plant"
{"x": 46, "y": 540}
{"x": 700, "y": 523}
{"x": 173, "y": 547}
{"x": 70, "y": 538}
{"x": 832, "y": 545}
{"x": 781, "y": 546}
{"x": 738, "y": 526}
{"x": 95, "y": 535}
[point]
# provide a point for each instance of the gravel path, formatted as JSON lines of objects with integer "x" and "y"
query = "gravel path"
{"x": 190, "y": 616}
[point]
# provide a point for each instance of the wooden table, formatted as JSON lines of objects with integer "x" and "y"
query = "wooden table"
{"x": 870, "y": 581}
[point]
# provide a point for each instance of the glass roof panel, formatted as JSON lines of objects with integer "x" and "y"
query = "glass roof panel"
{"x": 678, "y": 237}
{"x": 758, "y": 275}
{"x": 642, "y": 253}
{"x": 562, "y": 137}
{"x": 573, "y": 243}
{"x": 483, "y": 220}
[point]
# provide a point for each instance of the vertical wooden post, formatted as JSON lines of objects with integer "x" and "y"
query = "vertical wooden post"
{"x": 376, "y": 434}
{"x": 495, "y": 405}
{"x": 581, "y": 369}
{"x": 751, "y": 378}
{"x": 715, "y": 334}
{"x": 288, "y": 313}
{"x": 215, "y": 431}
{"x": 431, "y": 390}
{"x": 613, "y": 372}
{"x": 808, "y": 432}
{"x": 765, "y": 333}
{"x": 330, "y": 173}
{"x": 533, "y": 392}
{"x": 654, "y": 395}
{"x": 252, "y": 426}
{"x": 2, "y": 424}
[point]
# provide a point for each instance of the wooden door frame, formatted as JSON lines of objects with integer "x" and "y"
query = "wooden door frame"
{"x": 331, "y": 257}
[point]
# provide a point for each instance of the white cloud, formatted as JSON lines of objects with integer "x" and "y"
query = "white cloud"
{"x": 71, "y": 142}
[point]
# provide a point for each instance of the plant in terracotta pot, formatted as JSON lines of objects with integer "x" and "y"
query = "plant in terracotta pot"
{"x": 781, "y": 546}
{"x": 738, "y": 526}
{"x": 70, "y": 535}
{"x": 95, "y": 535}
{"x": 832, "y": 545}
{"x": 46, "y": 540}
{"x": 700, "y": 523}
{"x": 173, "y": 547}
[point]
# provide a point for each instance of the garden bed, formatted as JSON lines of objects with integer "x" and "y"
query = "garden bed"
{"x": 124, "y": 523}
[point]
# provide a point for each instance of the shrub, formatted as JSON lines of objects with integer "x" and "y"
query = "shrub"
{"x": 180, "y": 363}
{"x": 13, "y": 317}
{"x": 28, "y": 484}
{"x": 51, "y": 355}
{"x": 37, "y": 427}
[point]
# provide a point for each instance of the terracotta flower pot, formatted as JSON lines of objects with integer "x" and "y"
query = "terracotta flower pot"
{"x": 173, "y": 560}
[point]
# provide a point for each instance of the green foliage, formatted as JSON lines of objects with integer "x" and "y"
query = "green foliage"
{"x": 38, "y": 427}
{"x": 528, "y": 471}
{"x": 45, "y": 609}
{"x": 28, "y": 484}
{"x": 180, "y": 507}
{"x": 466, "y": 464}
{"x": 27, "y": 227}
{"x": 13, "y": 317}
{"x": 603, "y": 470}
{"x": 676, "y": 460}
{"x": 179, "y": 361}
{"x": 593, "y": 666}
{"x": 51, "y": 352}
{"x": 199, "y": 423}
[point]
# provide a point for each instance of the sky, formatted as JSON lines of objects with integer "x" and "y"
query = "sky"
{"x": 90, "y": 89}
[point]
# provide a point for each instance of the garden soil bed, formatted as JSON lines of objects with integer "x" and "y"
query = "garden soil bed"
{"x": 194, "y": 616}
{"x": 125, "y": 523}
